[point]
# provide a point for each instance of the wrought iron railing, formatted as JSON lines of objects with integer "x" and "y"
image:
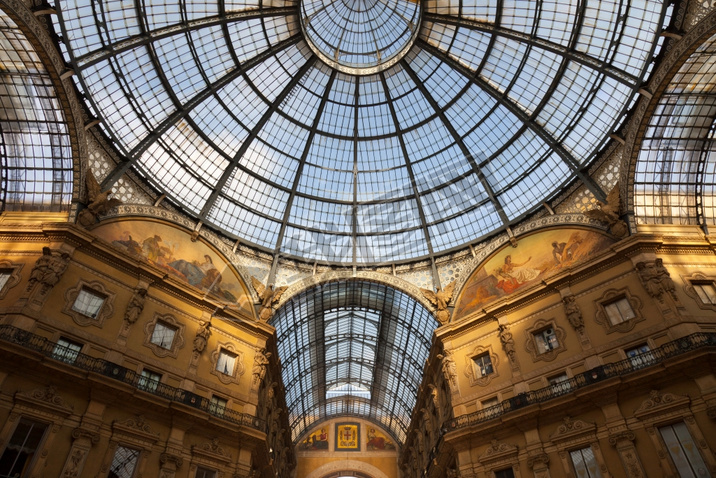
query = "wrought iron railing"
{"x": 72, "y": 357}
{"x": 597, "y": 374}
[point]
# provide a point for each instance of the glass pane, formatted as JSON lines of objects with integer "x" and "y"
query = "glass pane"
{"x": 88, "y": 303}
{"x": 226, "y": 362}
{"x": 123, "y": 463}
{"x": 163, "y": 335}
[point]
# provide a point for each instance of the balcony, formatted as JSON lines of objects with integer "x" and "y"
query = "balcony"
{"x": 80, "y": 361}
{"x": 598, "y": 374}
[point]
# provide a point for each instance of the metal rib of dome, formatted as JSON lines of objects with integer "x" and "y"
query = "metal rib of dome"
{"x": 491, "y": 109}
{"x": 352, "y": 348}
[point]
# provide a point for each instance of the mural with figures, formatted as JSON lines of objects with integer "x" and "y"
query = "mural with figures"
{"x": 172, "y": 250}
{"x": 536, "y": 256}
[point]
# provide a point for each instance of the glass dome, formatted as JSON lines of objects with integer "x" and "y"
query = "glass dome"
{"x": 357, "y": 131}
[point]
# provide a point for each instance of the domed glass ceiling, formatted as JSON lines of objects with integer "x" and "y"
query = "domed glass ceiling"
{"x": 359, "y": 131}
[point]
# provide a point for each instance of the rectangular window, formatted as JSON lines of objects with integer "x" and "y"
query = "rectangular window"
{"x": 148, "y": 380}
{"x": 217, "y": 406}
{"x": 619, "y": 311}
{"x": 202, "y": 472}
{"x": 705, "y": 290}
{"x": 88, "y": 302}
{"x": 683, "y": 451}
{"x": 124, "y": 463}
{"x": 66, "y": 350}
{"x": 483, "y": 365}
{"x": 546, "y": 340}
{"x": 226, "y": 362}
{"x": 4, "y": 277}
{"x": 506, "y": 473}
{"x": 20, "y": 451}
{"x": 489, "y": 402}
{"x": 584, "y": 462}
{"x": 640, "y": 356}
{"x": 163, "y": 335}
{"x": 560, "y": 383}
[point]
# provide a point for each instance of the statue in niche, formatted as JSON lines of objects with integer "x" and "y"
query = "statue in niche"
{"x": 441, "y": 299}
{"x": 268, "y": 297}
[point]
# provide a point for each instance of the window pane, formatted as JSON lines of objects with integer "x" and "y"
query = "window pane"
{"x": 4, "y": 277}
{"x": 217, "y": 405}
{"x": 163, "y": 335}
{"x": 585, "y": 465}
{"x": 20, "y": 451}
{"x": 204, "y": 473}
{"x": 226, "y": 361}
{"x": 148, "y": 380}
{"x": 683, "y": 451}
{"x": 123, "y": 463}
{"x": 546, "y": 340}
{"x": 483, "y": 365}
{"x": 706, "y": 292}
{"x": 88, "y": 303}
{"x": 66, "y": 350}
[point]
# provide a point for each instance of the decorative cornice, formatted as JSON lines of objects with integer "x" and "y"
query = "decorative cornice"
{"x": 136, "y": 427}
{"x": 659, "y": 403}
{"x": 90, "y": 435}
{"x": 570, "y": 429}
{"x": 498, "y": 450}
{"x": 627, "y": 435}
{"x": 211, "y": 450}
{"x": 45, "y": 398}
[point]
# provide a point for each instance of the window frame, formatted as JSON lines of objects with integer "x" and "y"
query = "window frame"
{"x": 238, "y": 369}
{"x": 72, "y": 348}
{"x": 149, "y": 380}
{"x": 218, "y": 405}
{"x": 539, "y": 328}
{"x": 154, "y": 339}
{"x": 699, "y": 278}
{"x": 613, "y": 296}
{"x": 92, "y": 287}
{"x": 640, "y": 355}
{"x": 204, "y": 470}
{"x": 471, "y": 367}
{"x": 177, "y": 340}
{"x": 12, "y": 270}
{"x": 594, "y": 458}
{"x": 33, "y": 456}
{"x": 137, "y": 457}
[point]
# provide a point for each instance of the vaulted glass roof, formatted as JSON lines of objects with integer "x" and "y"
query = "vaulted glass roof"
{"x": 359, "y": 131}
{"x": 352, "y": 348}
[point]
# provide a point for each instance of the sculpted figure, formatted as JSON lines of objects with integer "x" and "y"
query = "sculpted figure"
{"x": 508, "y": 343}
{"x": 574, "y": 315}
{"x": 609, "y": 213}
{"x": 135, "y": 306}
{"x": 449, "y": 368}
{"x": 261, "y": 361}
{"x": 268, "y": 297}
{"x": 441, "y": 299}
{"x": 98, "y": 202}
{"x": 48, "y": 269}
{"x": 202, "y": 336}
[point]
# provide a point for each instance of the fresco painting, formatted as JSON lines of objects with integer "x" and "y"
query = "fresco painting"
{"x": 317, "y": 440}
{"x": 171, "y": 249}
{"x": 536, "y": 257}
{"x": 377, "y": 440}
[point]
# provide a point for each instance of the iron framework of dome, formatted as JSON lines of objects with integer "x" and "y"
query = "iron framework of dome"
{"x": 395, "y": 144}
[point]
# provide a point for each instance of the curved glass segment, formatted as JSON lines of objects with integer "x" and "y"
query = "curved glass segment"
{"x": 675, "y": 177}
{"x": 352, "y": 348}
{"x": 310, "y": 129}
{"x": 35, "y": 151}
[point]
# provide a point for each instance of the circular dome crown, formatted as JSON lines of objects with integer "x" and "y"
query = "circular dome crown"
{"x": 360, "y": 36}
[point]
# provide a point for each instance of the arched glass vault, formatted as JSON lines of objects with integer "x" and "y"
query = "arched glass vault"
{"x": 360, "y": 132}
{"x": 352, "y": 348}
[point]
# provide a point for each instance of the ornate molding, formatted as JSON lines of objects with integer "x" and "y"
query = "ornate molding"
{"x": 572, "y": 429}
{"x": 211, "y": 451}
{"x": 689, "y": 281}
{"x": 497, "y": 451}
{"x": 238, "y": 371}
{"x": 90, "y": 435}
{"x": 470, "y": 366}
{"x": 137, "y": 429}
{"x": 45, "y": 398}
{"x": 531, "y": 345}
{"x": 659, "y": 403}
